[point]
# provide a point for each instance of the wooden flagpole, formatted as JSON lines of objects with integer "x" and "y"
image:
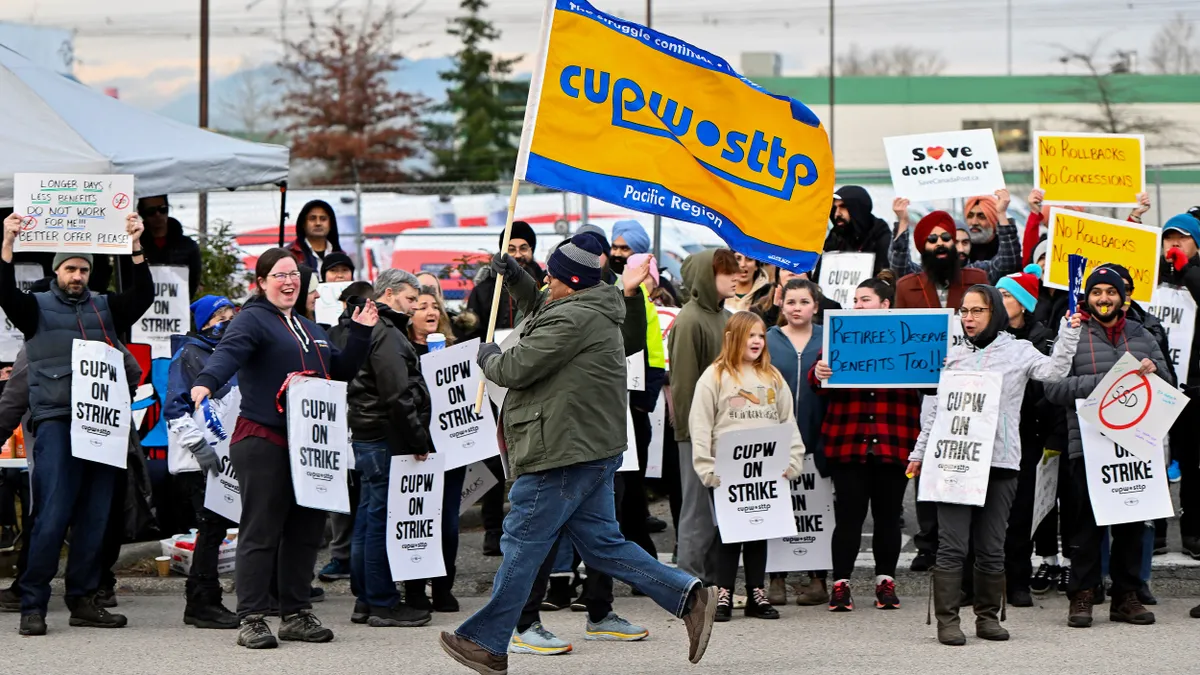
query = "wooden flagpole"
{"x": 491, "y": 331}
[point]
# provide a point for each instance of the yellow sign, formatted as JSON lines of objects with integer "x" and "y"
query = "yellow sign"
{"x": 1090, "y": 169}
{"x": 641, "y": 119}
{"x": 1103, "y": 240}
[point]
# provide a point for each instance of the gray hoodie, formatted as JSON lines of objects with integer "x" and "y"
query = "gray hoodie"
{"x": 1018, "y": 361}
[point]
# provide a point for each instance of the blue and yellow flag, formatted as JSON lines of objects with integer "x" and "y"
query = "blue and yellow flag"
{"x": 625, "y": 114}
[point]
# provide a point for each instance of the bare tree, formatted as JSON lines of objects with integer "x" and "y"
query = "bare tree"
{"x": 251, "y": 101}
{"x": 1172, "y": 51}
{"x": 899, "y": 61}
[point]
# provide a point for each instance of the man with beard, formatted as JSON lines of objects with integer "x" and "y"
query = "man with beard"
{"x": 855, "y": 229}
{"x": 941, "y": 283}
{"x": 1006, "y": 243}
{"x": 316, "y": 234}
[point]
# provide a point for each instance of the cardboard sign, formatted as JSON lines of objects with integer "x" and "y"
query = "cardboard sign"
{"x": 414, "y": 524}
{"x": 170, "y": 314}
{"x": 73, "y": 212}
{"x": 328, "y": 308}
{"x": 318, "y": 443}
{"x": 478, "y": 480}
{"x": 1045, "y": 491}
{"x": 455, "y": 429}
{"x": 1132, "y": 409}
{"x": 100, "y": 416}
{"x": 1123, "y": 487}
{"x": 1176, "y": 308}
{"x": 812, "y": 547}
{"x": 11, "y": 339}
{"x": 222, "y": 493}
{"x": 944, "y": 165}
{"x": 635, "y": 372}
{"x": 752, "y": 503}
{"x": 958, "y": 456}
{"x": 841, "y": 273}
{"x": 886, "y": 348}
{"x": 658, "y": 430}
{"x": 1090, "y": 169}
{"x": 1103, "y": 240}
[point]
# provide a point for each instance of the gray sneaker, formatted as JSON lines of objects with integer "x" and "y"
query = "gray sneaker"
{"x": 256, "y": 634}
{"x": 304, "y": 626}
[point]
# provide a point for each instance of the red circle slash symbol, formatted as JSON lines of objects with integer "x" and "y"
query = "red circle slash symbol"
{"x": 120, "y": 200}
{"x": 28, "y": 223}
{"x": 1126, "y": 402}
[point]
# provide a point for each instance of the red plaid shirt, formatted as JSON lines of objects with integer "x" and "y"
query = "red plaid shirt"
{"x": 858, "y": 422}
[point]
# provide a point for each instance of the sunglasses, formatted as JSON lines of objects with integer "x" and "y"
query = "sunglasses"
{"x": 945, "y": 236}
{"x": 151, "y": 210}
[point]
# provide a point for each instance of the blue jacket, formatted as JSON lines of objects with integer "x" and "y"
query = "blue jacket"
{"x": 262, "y": 348}
{"x": 810, "y": 408}
{"x": 190, "y": 356}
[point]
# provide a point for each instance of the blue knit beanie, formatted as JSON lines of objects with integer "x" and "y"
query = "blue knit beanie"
{"x": 204, "y": 308}
{"x": 577, "y": 262}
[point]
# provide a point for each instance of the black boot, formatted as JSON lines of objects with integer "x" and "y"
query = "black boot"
{"x": 205, "y": 610}
{"x": 414, "y": 595}
{"x": 86, "y": 613}
{"x": 947, "y": 590}
{"x": 989, "y": 594}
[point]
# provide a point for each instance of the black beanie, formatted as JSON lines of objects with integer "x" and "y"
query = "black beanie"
{"x": 576, "y": 263}
{"x": 333, "y": 259}
{"x": 1105, "y": 275}
{"x": 1122, "y": 272}
{"x": 521, "y": 230}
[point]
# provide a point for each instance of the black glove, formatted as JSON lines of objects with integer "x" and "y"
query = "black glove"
{"x": 206, "y": 457}
{"x": 504, "y": 264}
{"x": 487, "y": 350}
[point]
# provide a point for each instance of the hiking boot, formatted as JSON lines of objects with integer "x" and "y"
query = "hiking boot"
{"x": 304, "y": 626}
{"x": 841, "y": 600}
{"x": 210, "y": 615}
{"x": 559, "y": 595}
{"x": 989, "y": 594}
{"x": 361, "y": 612}
{"x": 1080, "y": 614}
{"x": 32, "y": 624}
{"x": 758, "y": 606}
{"x": 777, "y": 591}
{"x": 472, "y": 655}
{"x": 815, "y": 594}
{"x": 1126, "y": 608}
{"x": 398, "y": 616}
{"x": 923, "y": 562}
{"x": 724, "y": 605}
{"x": 10, "y": 600}
{"x": 1043, "y": 580}
{"x": 256, "y": 634}
{"x": 86, "y": 613}
{"x": 491, "y": 542}
{"x": 336, "y": 569}
{"x": 615, "y": 629}
{"x": 537, "y": 640}
{"x": 885, "y": 594}
{"x": 947, "y": 590}
{"x": 699, "y": 620}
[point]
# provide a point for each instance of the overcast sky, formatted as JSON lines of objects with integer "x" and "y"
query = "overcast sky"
{"x": 121, "y": 38}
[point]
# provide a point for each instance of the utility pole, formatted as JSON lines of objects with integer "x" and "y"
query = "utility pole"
{"x": 657, "y": 218}
{"x": 202, "y": 209}
{"x": 832, "y": 75}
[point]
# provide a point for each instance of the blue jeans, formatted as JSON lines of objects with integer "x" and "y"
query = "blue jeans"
{"x": 67, "y": 493}
{"x": 370, "y": 574}
{"x": 577, "y": 499}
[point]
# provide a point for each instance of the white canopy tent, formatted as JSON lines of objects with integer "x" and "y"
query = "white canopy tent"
{"x": 51, "y": 124}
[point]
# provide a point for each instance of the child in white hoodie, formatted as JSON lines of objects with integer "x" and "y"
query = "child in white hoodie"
{"x": 741, "y": 390}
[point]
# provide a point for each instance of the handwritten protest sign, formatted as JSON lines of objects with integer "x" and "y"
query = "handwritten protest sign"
{"x": 1176, "y": 308}
{"x": 658, "y": 425}
{"x": 888, "y": 348}
{"x": 1089, "y": 169}
{"x": 752, "y": 501}
{"x": 958, "y": 456}
{"x": 455, "y": 428}
{"x": 477, "y": 481}
{"x": 635, "y": 371}
{"x": 169, "y": 315}
{"x": 812, "y": 547}
{"x": 1103, "y": 240}
{"x": 99, "y": 404}
{"x": 1045, "y": 491}
{"x": 73, "y": 212}
{"x": 841, "y": 273}
{"x": 414, "y": 511}
{"x": 222, "y": 493}
{"x": 666, "y": 321}
{"x": 943, "y": 165}
{"x": 1123, "y": 487}
{"x": 1132, "y": 409}
{"x": 318, "y": 443}
{"x": 328, "y": 308}
{"x": 11, "y": 339}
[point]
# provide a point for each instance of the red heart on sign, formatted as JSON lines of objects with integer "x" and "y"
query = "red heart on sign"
{"x": 936, "y": 151}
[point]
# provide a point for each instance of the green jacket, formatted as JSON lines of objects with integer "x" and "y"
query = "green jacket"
{"x": 566, "y": 401}
{"x": 695, "y": 339}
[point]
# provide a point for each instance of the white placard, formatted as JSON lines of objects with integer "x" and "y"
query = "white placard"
{"x": 478, "y": 480}
{"x": 170, "y": 314}
{"x": 958, "y": 456}
{"x": 80, "y": 213}
{"x": 457, "y": 431}
{"x": 1045, "y": 491}
{"x": 841, "y": 273}
{"x": 944, "y": 165}
{"x": 506, "y": 340}
{"x": 753, "y": 502}
{"x": 222, "y": 493}
{"x": 629, "y": 461}
{"x": 666, "y": 321}
{"x": 658, "y": 426}
{"x": 812, "y": 547}
{"x": 318, "y": 443}
{"x": 1176, "y": 308}
{"x": 11, "y": 339}
{"x": 414, "y": 524}
{"x": 100, "y": 417}
{"x": 1123, "y": 487}
{"x": 328, "y": 308}
{"x": 1133, "y": 410}
{"x": 635, "y": 372}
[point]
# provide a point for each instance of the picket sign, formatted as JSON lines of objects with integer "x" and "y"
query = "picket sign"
{"x": 414, "y": 517}
{"x": 100, "y": 415}
{"x": 812, "y": 547}
{"x": 841, "y": 273}
{"x": 1122, "y": 487}
{"x": 886, "y": 348}
{"x": 318, "y": 442}
{"x": 629, "y": 461}
{"x": 666, "y": 321}
{"x": 451, "y": 375}
{"x": 944, "y": 165}
{"x": 1045, "y": 491}
{"x": 752, "y": 503}
{"x": 1177, "y": 310}
{"x": 170, "y": 314}
{"x": 75, "y": 213}
{"x": 658, "y": 428}
{"x": 506, "y": 340}
{"x": 635, "y": 371}
{"x": 328, "y": 308}
{"x": 476, "y": 482}
{"x": 222, "y": 493}
{"x": 1133, "y": 410}
{"x": 11, "y": 339}
{"x": 958, "y": 456}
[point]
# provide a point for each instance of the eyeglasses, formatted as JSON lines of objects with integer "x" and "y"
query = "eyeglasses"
{"x": 945, "y": 236}
{"x": 519, "y": 249}
{"x": 976, "y": 312}
{"x": 152, "y": 210}
{"x": 284, "y": 276}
